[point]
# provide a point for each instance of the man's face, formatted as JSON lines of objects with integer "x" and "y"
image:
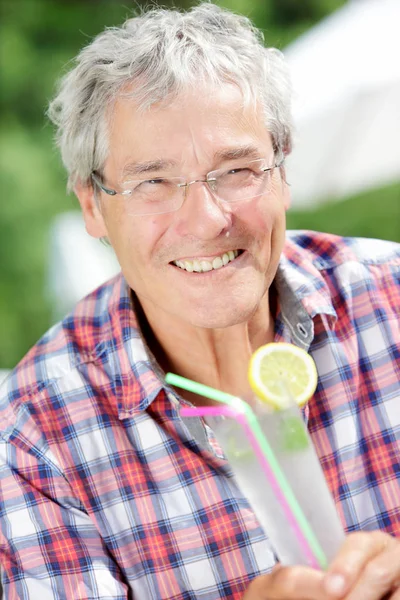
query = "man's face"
{"x": 190, "y": 134}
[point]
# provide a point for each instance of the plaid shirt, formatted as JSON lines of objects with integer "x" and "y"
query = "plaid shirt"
{"x": 107, "y": 493}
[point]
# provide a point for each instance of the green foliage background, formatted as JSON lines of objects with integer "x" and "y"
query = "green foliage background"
{"x": 37, "y": 40}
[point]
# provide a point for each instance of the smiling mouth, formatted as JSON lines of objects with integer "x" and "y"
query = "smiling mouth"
{"x": 203, "y": 266}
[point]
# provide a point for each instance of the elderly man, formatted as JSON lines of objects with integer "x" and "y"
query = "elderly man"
{"x": 174, "y": 129}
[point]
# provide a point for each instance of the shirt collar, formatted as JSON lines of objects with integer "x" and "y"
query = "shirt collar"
{"x": 300, "y": 272}
{"x": 137, "y": 380}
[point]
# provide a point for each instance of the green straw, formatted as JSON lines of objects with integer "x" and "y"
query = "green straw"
{"x": 208, "y": 392}
{"x": 239, "y": 405}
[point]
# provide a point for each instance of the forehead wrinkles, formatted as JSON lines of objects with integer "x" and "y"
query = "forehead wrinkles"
{"x": 209, "y": 123}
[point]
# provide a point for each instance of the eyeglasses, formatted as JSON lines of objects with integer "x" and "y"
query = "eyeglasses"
{"x": 159, "y": 195}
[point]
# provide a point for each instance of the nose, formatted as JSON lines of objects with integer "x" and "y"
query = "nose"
{"x": 202, "y": 215}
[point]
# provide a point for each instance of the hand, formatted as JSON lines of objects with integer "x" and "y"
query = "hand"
{"x": 367, "y": 567}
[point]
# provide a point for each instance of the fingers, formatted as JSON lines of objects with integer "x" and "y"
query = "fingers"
{"x": 287, "y": 583}
{"x": 366, "y": 568}
{"x": 379, "y": 577}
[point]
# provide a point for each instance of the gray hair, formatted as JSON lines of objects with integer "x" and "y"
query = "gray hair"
{"x": 162, "y": 52}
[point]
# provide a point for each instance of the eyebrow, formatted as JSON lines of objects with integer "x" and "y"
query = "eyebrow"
{"x": 137, "y": 168}
{"x": 248, "y": 151}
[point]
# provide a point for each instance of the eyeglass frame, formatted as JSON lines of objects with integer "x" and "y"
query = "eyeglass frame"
{"x": 111, "y": 192}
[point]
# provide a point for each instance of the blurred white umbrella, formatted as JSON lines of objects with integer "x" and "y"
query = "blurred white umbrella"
{"x": 346, "y": 78}
{"x": 3, "y": 375}
{"x": 78, "y": 263}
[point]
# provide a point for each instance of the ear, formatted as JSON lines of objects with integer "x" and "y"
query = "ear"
{"x": 93, "y": 218}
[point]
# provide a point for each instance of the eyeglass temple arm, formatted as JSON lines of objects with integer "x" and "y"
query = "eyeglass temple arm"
{"x": 276, "y": 166}
{"x": 101, "y": 186}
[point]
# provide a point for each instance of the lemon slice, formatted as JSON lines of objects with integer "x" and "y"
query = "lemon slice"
{"x": 278, "y": 372}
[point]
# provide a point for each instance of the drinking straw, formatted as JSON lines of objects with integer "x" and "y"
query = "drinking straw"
{"x": 236, "y": 408}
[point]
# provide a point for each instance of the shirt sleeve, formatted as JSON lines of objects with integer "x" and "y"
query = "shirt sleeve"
{"x": 49, "y": 546}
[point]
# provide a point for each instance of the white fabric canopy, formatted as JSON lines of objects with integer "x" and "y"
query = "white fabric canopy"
{"x": 78, "y": 263}
{"x": 3, "y": 375}
{"x": 346, "y": 78}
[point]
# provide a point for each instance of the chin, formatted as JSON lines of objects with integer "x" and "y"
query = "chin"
{"x": 220, "y": 319}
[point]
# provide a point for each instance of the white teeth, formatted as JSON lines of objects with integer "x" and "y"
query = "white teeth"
{"x": 202, "y": 266}
{"x": 205, "y": 266}
{"x": 196, "y": 266}
{"x": 217, "y": 263}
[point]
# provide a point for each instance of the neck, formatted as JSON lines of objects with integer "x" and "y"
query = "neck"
{"x": 215, "y": 357}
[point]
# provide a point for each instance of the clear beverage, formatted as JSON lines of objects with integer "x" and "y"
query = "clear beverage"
{"x": 295, "y": 453}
